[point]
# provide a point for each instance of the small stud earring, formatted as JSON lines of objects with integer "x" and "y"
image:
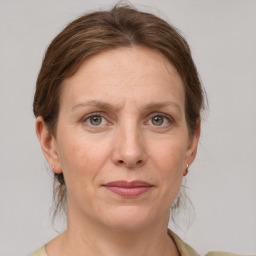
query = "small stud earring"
{"x": 186, "y": 171}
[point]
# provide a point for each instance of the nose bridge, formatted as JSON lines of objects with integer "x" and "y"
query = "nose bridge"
{"x": 130, "y": 150}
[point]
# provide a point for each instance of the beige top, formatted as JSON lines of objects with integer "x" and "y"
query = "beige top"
{"x": 183, "y": 248}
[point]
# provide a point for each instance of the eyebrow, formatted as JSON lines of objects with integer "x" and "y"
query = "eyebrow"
{"x": 94, "y": 103}
{"x": 162, "y": 105}
{"x": 105, "y": 105}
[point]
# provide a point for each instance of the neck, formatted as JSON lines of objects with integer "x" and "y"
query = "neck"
{"x": 85, "y": 237}
{"x": 116, "y": 243}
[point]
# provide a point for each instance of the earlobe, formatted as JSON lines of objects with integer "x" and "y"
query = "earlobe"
{"x": 48, "y": 144}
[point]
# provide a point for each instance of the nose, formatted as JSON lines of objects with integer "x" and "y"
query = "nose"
{"x": 130, "y": 148}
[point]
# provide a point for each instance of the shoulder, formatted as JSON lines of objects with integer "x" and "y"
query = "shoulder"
{"x": 225, "y": 254}
{"x": 39, "y": 252}
{"x": 183, "y": 248}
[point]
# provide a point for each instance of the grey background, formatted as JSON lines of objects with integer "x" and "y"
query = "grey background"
{"x": 221, "y": 182}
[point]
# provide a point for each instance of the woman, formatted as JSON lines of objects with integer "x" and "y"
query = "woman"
{"x": 118, "y": 103}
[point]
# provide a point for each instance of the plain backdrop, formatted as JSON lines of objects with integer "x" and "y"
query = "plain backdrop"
{"x": 222, "y": 181}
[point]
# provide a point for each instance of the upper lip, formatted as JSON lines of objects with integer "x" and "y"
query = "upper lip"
{"x": 128, "y": 184}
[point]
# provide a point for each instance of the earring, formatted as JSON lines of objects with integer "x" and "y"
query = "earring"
{"x": 186, "y": 171}
{"x": 53, "y": 167}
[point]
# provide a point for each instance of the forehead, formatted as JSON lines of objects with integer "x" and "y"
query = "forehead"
{"x": 125, "y": 72}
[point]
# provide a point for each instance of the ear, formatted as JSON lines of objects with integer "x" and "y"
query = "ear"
{"x": 48, "y": 144}
{"x": 193, "y": 143}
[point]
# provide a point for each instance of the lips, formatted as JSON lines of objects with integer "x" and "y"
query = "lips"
{"x": 128, "y": 189}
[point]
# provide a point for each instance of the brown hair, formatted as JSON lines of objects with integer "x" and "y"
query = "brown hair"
{"x": 122, "y": 26}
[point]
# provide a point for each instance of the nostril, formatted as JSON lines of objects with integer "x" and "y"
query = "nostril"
{"x": 120, "y": 161}
{"x": 139, "y": 162}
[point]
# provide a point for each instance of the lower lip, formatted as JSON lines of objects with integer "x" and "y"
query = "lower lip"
{"x": 129, "y": 192}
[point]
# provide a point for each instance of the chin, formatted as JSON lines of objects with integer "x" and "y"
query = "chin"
{"x": 130, "y": 218}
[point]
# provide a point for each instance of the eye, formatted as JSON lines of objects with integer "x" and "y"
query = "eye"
{"x": 157, "y": 120}
{"x": 160, "y": 120}
{"x": 95, "y": 120}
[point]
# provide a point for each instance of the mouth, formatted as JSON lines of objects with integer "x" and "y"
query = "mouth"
{"x": 128, "y": 189}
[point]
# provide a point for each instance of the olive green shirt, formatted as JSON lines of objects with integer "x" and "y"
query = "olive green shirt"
{"x": 183, "y": 248}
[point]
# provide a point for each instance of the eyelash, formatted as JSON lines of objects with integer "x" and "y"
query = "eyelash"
{"x": 94, "y": 114}
{"x": 169, "y": 119}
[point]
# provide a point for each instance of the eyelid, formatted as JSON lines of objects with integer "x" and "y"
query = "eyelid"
{"x": 101, "y": 114}
{"x": 168, "y": 117}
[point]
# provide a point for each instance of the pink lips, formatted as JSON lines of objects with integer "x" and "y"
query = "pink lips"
{"x": 128, "y": 189}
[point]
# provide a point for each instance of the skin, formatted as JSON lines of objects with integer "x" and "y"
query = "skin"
{"x": 127, "y": 88}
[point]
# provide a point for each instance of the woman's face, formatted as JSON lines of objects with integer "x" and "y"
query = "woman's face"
{"x": 122, "y": 141}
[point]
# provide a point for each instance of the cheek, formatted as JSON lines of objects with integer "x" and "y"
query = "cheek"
{"x": 170, "y": 156}
{"x": 81, "y": 160}
{"x": 169, "y": 165}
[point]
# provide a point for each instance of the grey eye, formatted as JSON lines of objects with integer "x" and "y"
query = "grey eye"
{"x": 157, "y": 120}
